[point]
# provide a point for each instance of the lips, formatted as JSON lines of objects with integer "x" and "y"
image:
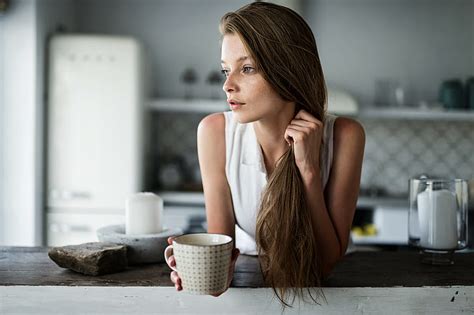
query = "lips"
{"x": 233, "y": 102}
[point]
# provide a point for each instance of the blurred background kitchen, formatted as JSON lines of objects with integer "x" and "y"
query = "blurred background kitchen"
{"x": 88, "y": 119}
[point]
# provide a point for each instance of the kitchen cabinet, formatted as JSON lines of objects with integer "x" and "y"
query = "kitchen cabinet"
{"x": 77, "y": 228}
{"x": 389, "y": 224}
{"x": 389, "y": 216}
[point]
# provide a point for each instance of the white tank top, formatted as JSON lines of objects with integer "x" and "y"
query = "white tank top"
{"x": 247, "y": 176}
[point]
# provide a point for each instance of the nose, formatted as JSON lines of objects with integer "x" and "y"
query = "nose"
{"x": 230, "y": 84}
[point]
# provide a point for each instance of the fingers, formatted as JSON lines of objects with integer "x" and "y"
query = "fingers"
{"x": 170, "y": 240}
{"x": 305, "y": 122}
{"x": 298, "y": 129}
{"x": 293, "y": 136}
{"x": 304, "y": 119}
{"x": 174, "y": 277}
{"x": 301, "y": 123}
{"x": 305, "y": 130}
{"x": 235, "y": 254}
{"x": 171, "y": 261}
{"x": 176, "y": 280}
{"x": 309, "y": 125}
{"x": 302, "y": 114}
{"x": 217, "y": 294}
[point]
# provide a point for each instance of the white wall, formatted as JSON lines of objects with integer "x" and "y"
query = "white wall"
{"x": 51, "y": 15}
{"x": 2, "y": 100}
{"x": 24, "y": 28}
{"x": 179, "y": 34}
{"x": 419, "y": 42}
{"x": 19, "y": 206}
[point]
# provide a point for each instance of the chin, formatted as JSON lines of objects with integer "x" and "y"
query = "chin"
{"x": 244, "y": 118}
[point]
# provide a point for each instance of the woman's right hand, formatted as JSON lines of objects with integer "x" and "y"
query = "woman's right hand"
{"x": 233, "y": 260}
{"x": 174, "y": 276}
{"x": 172, "y": 263}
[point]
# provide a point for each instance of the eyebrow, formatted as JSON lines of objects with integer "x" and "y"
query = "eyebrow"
{"x": 240, "y": 59}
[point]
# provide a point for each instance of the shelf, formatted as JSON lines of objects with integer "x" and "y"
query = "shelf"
{"x": 417, "y": 114}
{"x": 187, "y": 106}
{"x": 213, "y": 106}
{"x": 182, "y": 198}
{"x": 201, "y": 106}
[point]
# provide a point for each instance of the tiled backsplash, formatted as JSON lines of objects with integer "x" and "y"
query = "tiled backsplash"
{"x": 395, "y": 150}
{"x": 399, "y": 149}
{"x": 174, "y": 145}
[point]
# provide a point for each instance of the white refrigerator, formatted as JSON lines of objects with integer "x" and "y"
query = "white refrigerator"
{"x": 95, "y": 136}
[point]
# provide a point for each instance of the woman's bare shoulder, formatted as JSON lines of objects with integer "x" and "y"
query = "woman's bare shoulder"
{"x": 211, "y": 142}
{"x": 349, "y": 129}
{"x": 212, "y": 124}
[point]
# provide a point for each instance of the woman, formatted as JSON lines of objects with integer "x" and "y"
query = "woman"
{"x": 279, "y": 174}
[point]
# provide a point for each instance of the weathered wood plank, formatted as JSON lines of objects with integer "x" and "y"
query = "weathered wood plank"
{"x": 32, "y": 266}
{"x": 164, "y": 300}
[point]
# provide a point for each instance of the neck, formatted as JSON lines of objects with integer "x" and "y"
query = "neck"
{"x": 270, "y": 134}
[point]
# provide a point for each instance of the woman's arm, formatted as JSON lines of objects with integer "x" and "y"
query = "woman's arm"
{"x": 219, "y": 210}
{"x": 333, "y": 210}
{"x": 212, "y": 155}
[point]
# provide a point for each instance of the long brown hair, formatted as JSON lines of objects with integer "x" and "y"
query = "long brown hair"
{"x": 284, "y": 49}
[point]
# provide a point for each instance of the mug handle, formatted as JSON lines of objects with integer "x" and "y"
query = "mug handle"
{"x": 168, "y": 255}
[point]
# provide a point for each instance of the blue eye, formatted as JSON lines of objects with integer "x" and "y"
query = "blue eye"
{"x": 225, "y": 72}
{"x": 247, "y": 69}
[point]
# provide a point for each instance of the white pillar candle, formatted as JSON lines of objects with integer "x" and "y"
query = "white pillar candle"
{"x": 437, "y": 216}
{"x": 143, "y": 214}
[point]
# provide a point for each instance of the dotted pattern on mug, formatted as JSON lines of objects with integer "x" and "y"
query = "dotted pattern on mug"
{"x": 203, "y": 269}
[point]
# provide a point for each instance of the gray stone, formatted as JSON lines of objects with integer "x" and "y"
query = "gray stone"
{"x": 96, "y": 258}
{"x": 141, "y": 248}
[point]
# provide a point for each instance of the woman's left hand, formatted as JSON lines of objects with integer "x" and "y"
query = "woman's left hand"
{"x": 305, "y": 133}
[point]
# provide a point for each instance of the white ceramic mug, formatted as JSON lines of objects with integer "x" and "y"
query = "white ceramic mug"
{"x": 202, "y": 261}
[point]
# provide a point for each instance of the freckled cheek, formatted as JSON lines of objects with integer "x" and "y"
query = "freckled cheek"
{"x": 258, "y": 88}
{"x": 269, "y": 95}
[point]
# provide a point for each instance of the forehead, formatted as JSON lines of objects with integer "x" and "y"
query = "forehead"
{"x": 233, "y": 49}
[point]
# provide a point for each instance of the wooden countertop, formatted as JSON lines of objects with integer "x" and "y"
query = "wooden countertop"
{"x": 31, "y": 266}
{"x": 363, "y": 282}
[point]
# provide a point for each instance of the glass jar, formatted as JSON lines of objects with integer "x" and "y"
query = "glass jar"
{"x": 437, "y": 221}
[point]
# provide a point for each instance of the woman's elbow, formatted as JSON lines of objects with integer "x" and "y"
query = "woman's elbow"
{"x": 329, "y": 264}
